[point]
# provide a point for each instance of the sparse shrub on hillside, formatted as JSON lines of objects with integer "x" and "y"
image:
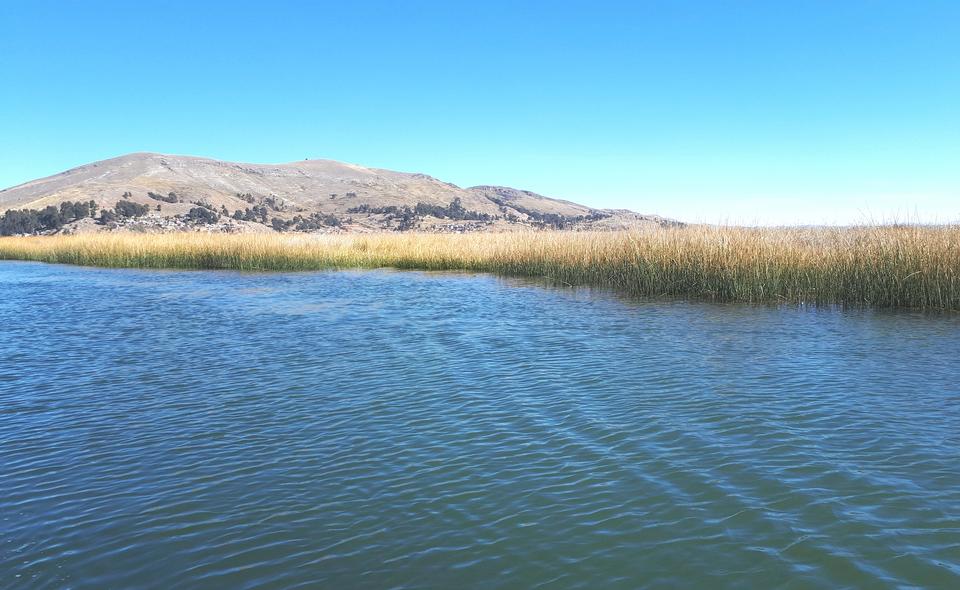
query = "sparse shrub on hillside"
{"x": 203, "y": 203}
{"x": 316, "y": 221}
{"x": 275, "y": 203}
{"x": 547, "y": 220}
{"x": 408, "y": 218}
{"x": 258, "y": 214}
{"x": 202, "y": 215}
{"x": 71, "y": 211}
{"x": 50, "y": 218}
{"x": 130, "y": 209}
{"x": 170, "y": 198}
{"x": 404, "y": 217}
{"x": 454, "y": 210}
{"x": 305, "y": 224}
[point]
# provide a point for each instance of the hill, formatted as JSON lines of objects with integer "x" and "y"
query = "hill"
{"x": 312, "y": 195}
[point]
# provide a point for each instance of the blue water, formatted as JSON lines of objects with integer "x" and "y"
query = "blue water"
{"x": 413, "y": 430}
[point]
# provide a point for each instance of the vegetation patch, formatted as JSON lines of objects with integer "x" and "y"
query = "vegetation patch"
{"x": 888, "y": 266}
{"x": 407, "y": 217}
{"x": 51, "y": 218}
{"x": 172, "y": 197}
{"x": 549, "y": 220}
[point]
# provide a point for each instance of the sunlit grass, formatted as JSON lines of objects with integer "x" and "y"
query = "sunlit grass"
{"x": 888, "y": 266}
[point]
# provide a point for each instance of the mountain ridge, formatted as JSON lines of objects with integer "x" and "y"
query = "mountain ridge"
{"x": 348, "y": 196}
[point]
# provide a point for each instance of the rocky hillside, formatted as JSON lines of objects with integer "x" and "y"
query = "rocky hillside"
{"x": 312, "y": 195}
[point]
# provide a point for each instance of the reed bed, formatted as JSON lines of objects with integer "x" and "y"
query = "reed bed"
{"x": 888, "y": 266}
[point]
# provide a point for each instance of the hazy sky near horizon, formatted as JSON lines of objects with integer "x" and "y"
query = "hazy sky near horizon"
{"x": 719, "y": 111}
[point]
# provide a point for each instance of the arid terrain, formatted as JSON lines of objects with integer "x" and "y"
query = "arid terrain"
{"x": 183, "y": 192}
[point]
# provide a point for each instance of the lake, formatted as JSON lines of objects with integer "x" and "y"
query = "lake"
{"x": 382, "y": 429}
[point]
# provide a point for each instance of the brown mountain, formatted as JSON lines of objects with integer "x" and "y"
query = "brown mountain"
{"x": 358, "y": 198}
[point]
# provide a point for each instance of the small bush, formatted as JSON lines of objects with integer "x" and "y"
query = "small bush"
{"x": 170, "y": 198}
{"x": 202, "y": 215}
{"x": 130, "y": 209}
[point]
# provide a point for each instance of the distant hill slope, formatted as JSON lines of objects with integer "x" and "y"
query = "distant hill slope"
{"x": 354, "y": 197}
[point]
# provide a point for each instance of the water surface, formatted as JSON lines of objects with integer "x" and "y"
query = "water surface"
{"x": 414, "y": 430}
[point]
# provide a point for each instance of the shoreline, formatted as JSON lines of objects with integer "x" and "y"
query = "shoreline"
{"x": 882, "y": 267}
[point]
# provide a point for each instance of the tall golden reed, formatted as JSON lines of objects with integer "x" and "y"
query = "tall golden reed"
{"x": 887, "y": 266}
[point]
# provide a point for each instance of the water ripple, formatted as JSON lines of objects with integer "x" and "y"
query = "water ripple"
{"x": 419, "y": 430}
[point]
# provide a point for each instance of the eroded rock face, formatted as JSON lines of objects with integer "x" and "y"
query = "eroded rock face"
{"x": 310, "y": 194}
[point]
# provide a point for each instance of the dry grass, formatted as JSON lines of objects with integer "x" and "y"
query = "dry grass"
{"x": 908, "y": 266}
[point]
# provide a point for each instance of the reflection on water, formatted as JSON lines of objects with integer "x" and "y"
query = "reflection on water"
{"x": 394, "y": 429}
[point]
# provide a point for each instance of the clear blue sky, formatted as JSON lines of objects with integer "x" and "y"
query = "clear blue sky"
{"x": 764, "y": 111}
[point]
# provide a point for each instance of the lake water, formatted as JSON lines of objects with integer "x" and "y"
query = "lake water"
{"x": 413, "y": 430}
